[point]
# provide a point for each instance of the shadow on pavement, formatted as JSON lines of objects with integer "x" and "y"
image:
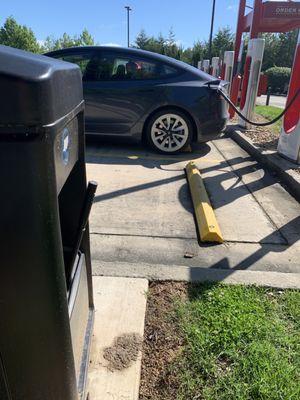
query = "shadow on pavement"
{"x": 226, "y": 269}
{"x": 137, "y": 188}
{"x": 110, "y": 152}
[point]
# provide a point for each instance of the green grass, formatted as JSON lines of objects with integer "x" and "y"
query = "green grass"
{"x": 242, "y": 343}
{"x": 270, "y": 112}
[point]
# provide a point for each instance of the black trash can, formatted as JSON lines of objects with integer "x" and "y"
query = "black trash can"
{"x": 46, "y": 301}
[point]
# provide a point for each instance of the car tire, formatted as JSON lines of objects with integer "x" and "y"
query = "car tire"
{"x": 169, "y": 131}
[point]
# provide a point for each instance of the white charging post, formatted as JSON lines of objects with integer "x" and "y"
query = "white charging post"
{"x": 205, "y": 66}
{"x": 215, "y": 64}
{"x": 228, "y": 67}
{"x": 199, "y": 65}
{"x": 289, "y": 140}
{"x": 255, "y": 56}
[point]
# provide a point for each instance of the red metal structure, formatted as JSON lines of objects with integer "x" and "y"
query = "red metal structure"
{"x": 265, "y": 16}
{"x": 292, "y": 116}
{"x": 263, "y": 85}
{"x": 289, "y": 140}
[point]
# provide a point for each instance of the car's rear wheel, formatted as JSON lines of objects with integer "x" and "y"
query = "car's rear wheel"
{"x": 169, "y": 131}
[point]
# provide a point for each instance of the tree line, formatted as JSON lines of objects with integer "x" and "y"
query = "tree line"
{"x": 279, "y": 48}
{"x": 22, "y": 37}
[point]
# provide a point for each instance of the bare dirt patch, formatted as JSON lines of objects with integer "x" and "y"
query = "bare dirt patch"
{"x": 123, "y": 352}
{"x": 162, "y": 341}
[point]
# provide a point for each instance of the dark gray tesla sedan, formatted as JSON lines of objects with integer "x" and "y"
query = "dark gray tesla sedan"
{"x": 135, "y": 93}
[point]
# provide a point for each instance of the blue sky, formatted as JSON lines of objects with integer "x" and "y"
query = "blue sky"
{"x": 106, "y": 20}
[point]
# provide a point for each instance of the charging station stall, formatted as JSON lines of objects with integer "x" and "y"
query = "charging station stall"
{"x": 215, "y": 66}
{"x": 206, "y": 66}
{"x": 46, "y": 300}
{"x": 227, "y": 67}
{"x": 266, "y": 16}
{"x": 289, "y": 141}
{"x": 250, "y": 83}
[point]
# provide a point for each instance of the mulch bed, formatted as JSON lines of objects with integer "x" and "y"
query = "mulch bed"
{"x": 162, "y": 341}
{"x": 263, "y": 137}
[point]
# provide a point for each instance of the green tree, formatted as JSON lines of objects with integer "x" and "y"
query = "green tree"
{"x": 161, "y": 44}
{"x": 286, "y": 48}
{"x": 142, "y": 40}
{"x": 222, "y": 41}
{"x": 270, "y": 53}
{"x": 171, "y": 47}
{"x": 279, "y": 48}
{"x": 84, "y": 39}
{"x": 200, "y": 51}
{"x": 18, "y": 36}
{"x": 150, "y": 43}
{"x": 278, "y": 78}
{"x": 187, "y": 55}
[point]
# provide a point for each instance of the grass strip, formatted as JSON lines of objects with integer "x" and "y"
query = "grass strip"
{"x": 241, "y": 343}
{"x": 269, "y": 113}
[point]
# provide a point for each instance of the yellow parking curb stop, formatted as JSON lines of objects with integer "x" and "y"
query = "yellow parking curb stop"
{"x": 208, "y": 226}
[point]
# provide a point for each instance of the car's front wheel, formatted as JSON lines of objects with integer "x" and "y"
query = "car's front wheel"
{"x": 169, "y": 131}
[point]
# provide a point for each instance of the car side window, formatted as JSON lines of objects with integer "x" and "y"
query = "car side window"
{"x": 110, "y": 67}
{"x": 128, "y": 68}
{"x": 96, "y": 67}
{"x": 81, "y": 60}
{"x": 93, "y": 66}
{"x": 167, "y": 71}
{"x": 99, "y": 68}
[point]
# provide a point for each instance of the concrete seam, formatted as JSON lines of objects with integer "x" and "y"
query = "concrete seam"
{"x": 262, "y": 243}
{"x": 280, "y": 280}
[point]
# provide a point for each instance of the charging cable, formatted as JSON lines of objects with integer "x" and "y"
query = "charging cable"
{"x": 220, "y": 91}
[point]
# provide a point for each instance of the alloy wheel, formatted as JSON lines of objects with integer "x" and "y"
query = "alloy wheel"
{"x": 169, "y": 132}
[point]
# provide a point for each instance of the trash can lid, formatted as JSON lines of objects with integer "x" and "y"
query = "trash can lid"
{"x": 36, "y": 90}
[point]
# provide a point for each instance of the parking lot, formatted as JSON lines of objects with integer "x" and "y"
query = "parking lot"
{"x": 276, "y": 101}
{"x": 142, "y": 222}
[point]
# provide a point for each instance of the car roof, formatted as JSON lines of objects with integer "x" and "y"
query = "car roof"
{"x": 139, "y": 52}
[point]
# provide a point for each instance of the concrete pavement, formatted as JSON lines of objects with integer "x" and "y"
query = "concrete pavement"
{"x": 120, "y": 306}
{"x": 143, "y": 215}
{"x": 142, "y": 226}
{"x": 276, "y": 101}
{"x": 286, "y": 170}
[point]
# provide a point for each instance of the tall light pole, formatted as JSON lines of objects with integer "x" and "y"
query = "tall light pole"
{"x": 211, "y": 28}
{"x": 128, "y": 11}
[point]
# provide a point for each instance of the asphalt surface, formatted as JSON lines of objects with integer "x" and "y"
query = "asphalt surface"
{"x": 276, "y": 101}
{"x": 142, "y": 221}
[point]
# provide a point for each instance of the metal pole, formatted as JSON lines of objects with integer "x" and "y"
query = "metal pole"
{"x": 128, "y": 11}
{"x": 211, "y": 29}
{"x": 268, "y": 97}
